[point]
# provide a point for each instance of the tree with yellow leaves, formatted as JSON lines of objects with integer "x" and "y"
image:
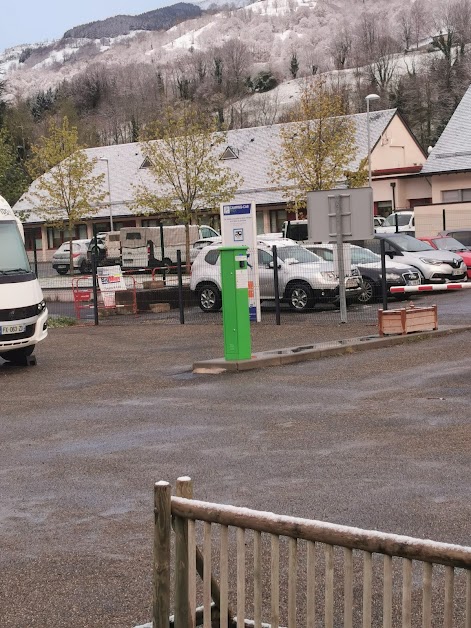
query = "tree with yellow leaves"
{"x": 183, "y": 150}
{"x": 316, "y": 146}
{"x": 66, "y": 189}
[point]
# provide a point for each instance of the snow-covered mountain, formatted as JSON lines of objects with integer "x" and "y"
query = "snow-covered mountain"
{"x": 271, "y": 29}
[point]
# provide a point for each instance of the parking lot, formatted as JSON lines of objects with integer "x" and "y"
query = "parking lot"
{"x": 377, "y": 440}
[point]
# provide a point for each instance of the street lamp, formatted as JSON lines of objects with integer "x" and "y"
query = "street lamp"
{"x": 109, "y": 189}
{"x": 368, "y": 99}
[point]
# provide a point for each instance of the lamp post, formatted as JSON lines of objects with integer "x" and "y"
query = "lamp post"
{"x": 368, "y": 99}
{"x": 109, "y": 190}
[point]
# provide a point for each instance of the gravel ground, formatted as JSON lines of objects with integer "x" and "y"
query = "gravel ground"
{"x": 379, "y": 439}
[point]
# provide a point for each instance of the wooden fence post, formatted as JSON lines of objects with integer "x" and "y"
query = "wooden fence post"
{"x": 182, "y": 607}
{"x": 162, "y": 530}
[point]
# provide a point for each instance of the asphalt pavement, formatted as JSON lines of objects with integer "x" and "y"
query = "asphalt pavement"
{"x": 377, "y": 440}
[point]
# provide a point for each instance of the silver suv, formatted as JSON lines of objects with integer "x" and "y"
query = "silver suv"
{"x": 304, "y": 278}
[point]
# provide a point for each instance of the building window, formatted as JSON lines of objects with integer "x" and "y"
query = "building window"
{"x": 260, "y": 227}
{"x": 277, "y": 218}
{"x": 456, "y": 196}
{"x": 32, "y": 235}
{"x": 451, "y": 196}
{"x": 82, "y": 232}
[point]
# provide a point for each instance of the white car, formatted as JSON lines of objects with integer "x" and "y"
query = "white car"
{"x": 80, "y": 262}
{"x": 304, "y": 278}
{"x": 404, "y": 219}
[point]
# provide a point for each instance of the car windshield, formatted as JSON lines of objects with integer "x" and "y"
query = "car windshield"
{"x": 13, "y": 259}
{"x": 409, "y": 244}
{"x": 402, "y": 220}
{"x": 364, "y": 256}
{"x": 449, "y": 244}
{"x": 296, "y": 255}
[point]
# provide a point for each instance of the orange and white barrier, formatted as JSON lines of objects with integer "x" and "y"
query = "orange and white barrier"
{"x": 430, "y": 287}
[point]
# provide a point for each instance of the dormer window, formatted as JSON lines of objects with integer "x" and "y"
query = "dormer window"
{"x": 146, "y": 163}
{"x": 230, "y": 153}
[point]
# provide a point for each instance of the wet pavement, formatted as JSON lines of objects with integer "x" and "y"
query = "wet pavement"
{"x": 377, "y": 440}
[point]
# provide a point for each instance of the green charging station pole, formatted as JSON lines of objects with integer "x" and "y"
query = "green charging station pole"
{"x": 235, "y": 303}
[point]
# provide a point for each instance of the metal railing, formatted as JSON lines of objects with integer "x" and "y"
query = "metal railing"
{"x": 349, "y": 604}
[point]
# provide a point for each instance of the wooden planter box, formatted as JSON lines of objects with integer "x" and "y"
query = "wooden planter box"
{"x": 407, "y": 320}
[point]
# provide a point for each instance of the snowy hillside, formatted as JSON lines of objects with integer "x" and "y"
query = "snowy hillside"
{"x": 271, "y": 30}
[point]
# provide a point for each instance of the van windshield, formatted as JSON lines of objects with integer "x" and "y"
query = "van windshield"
{"x": 13, "y": 259}
{"x": 402, "y": 220}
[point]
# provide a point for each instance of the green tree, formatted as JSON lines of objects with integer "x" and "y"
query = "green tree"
{"x": 13, "y": 179}
{"x": 184, "y": 163}
{"x": 66, "y": 190}
{"x": 316, "y": 148}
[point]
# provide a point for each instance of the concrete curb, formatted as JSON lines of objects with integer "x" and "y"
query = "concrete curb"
{"x": 292, "y": 355}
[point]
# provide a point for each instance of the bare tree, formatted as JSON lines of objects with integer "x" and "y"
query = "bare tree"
{"x": 381, "y": 71}
{"x": 340, "y": 47}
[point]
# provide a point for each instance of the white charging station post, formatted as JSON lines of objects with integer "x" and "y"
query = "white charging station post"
{"x": 239, "y": 228}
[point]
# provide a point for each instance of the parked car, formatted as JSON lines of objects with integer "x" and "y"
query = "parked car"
{"x": 446, "y": 243}
{"x": 304, "y": 278}
{"x": 61, "y": 258}
{"x": 201, "y": 244}
{"x": 435, "y": 266}
{"x": 462, "y": 235}
{"x": 378, "y": 221}
{"x": 404, "y": 220}
{"x": 369, "y": 265}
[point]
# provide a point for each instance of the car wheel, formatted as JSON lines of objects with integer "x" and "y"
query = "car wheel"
{"x": 209, "y": 297}
{"x": 369, "y": 292}
{"x": 83, "y": 268}
{"x": 300, "y": 297}
{"x": 17, "y": 356}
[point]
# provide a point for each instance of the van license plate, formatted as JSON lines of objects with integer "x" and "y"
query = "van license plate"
{"x": 456, "y": 271}
{"x": 11, "y": 329}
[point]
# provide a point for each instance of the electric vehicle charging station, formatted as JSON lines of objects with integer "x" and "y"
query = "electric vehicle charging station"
{"x": 239, "y": 228}
{"x": 235, "y": 303}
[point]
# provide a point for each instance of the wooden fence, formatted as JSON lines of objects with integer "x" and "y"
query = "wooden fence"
{"x": 433, "y": 590}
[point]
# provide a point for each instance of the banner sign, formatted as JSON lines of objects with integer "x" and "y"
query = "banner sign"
{"x": 110, "y": 279}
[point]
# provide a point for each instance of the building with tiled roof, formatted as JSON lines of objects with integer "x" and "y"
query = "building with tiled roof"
{"x": 448, "y": 174}
{"x": 395, "y": 153}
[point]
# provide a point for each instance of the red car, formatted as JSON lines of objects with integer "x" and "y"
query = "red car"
{"x": 445, "y": 243}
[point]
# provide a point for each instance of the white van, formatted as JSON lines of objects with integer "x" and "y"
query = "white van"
{"x": 403, "y": 220}
{"x": 295, "y": 230}
{"x": 23, "y": 312}
{"x": 140, "y": 246}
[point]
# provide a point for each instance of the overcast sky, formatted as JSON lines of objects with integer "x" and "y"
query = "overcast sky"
{"x": 34, "y": 21}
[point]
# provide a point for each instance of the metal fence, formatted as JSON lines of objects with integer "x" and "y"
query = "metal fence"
{"x": 261, "y": 569}
{"x": 170, "y": 295}
{"x": 293, "y": 290}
